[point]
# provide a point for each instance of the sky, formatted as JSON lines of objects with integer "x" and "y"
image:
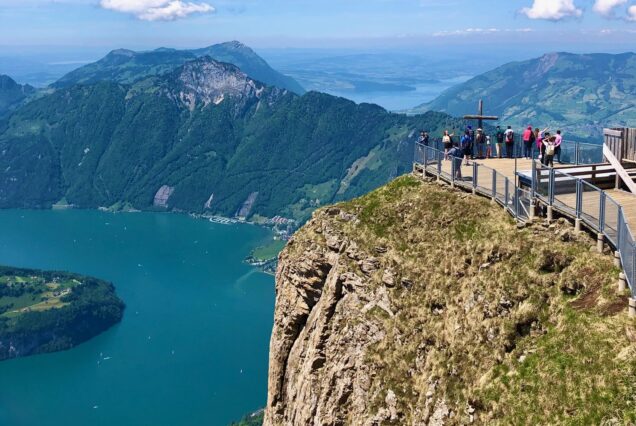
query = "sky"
{"x": 583, "y": 25}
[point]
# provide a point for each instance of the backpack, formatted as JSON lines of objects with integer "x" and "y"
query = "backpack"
{"x": 510, "y": 136}
{"x": 549, "y": 149}
{"x": 465, "y": 141}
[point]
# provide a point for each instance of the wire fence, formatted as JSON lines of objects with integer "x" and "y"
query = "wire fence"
{"x": 570, "y": 195}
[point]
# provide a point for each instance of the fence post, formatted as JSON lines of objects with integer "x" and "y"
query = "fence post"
{"x": 475, "y": 177}
{"x": 506, "y": 199}
{"x": 439, "y": 164}
{"x": 452, "y": 160}
{"x": 551, "y": 187}
{"x": 494, "y": 185}
{"x": 601, "y": 213}
{"x": 425, "y": 159}
{"x": 579, "y": 205}
{"x": 577, "y": 153}
{"x": 619, "y": 228}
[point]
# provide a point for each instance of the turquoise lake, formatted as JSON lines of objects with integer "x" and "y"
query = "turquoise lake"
{"x": 192, "y": 348}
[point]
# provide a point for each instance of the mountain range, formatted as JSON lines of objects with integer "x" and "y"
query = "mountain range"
{"x": 578, "y": 93}
{"x": 12, "y": 94}
{"x": 201, "y": 137}
{"x": 127, "y": 66}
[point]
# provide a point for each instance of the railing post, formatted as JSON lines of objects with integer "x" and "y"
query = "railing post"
{"x": 601, "y": 214}
{"x": 579, "y": 198}
{"x": 494, "y": 185}
{"x": 619, "y": 228}
{"x": 506, "y": 199}
{"x": 577, "y": 153}
{"x": 475, "y": 175}
{"x": 579, "y": 205}
{"x": 452, "y": 160}
{"x": 425, "y": 159}
{"x": 439, "y": 164}
{"x": 551, "y": 188}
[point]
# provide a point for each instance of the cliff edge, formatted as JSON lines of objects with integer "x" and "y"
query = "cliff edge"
{"x": 419, "y": 304}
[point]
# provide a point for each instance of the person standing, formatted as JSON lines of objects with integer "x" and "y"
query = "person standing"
{"x": 539, "y": 135}
{"x": 488, "y": 147}
{"x": 549, "y": 149}
{"x": 480, "y": 139}
{"x": 510, "y": 141}
{"x": 471, "y": 147}
{"x": 557, "y": 144}
{"x": 424, "y": 138}
{"x": 500, "y": 136}
{"x": 447, "y": 140}
{"x": 456, "y": 154}
{"x": 528, "y": 138}
{"x": 465, "y": 145}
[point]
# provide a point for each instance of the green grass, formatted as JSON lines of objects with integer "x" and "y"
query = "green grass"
{"x": 268, "y": 251}
{"x": 32, "y": 292}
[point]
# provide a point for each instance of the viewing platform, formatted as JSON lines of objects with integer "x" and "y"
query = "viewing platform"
{"x": 597, "y": 195}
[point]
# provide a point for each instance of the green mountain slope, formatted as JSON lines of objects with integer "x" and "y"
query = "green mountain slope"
{"x": 12, "y": 93}
{"x": 204, "y": 137}
{"x": 126, "y": 66}
{"x": 579, "y": 93}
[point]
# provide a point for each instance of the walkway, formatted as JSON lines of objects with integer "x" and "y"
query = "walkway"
{"x": 506, "y": 167}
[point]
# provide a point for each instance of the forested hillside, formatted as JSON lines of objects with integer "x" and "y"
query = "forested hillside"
{"x": 203, "y": 138}
{"x": 578, "y": 93}
{"x": 12, "y": 94}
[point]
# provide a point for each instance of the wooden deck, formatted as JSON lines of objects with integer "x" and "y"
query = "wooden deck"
{"x": 590, "y": 202}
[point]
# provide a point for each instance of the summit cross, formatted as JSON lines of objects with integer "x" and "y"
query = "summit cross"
{"x": 480, "y": 117}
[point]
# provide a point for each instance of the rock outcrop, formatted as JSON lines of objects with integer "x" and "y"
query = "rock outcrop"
{"x": 419, "y": 304}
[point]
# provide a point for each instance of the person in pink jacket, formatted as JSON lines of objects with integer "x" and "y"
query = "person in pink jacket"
{"x": 528, "y": 138}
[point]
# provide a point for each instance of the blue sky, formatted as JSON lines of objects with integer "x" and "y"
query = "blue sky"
{"x": 597, "y": 25}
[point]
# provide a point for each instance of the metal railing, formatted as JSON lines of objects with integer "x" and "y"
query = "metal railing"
{"x": 571, "y": 152}
{"x": 569, "y": 195}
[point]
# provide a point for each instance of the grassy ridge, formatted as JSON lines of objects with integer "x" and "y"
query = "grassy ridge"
{"x": 487, "y": 322}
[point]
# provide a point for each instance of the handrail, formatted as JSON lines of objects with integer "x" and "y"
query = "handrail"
{"x": 612, "y": 225}
{"x": 572, "y": 152}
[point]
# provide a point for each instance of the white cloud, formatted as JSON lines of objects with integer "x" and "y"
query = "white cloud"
{"x": 157, "y": 10}
{"x": 606, "y": 7}
{"x": 631, "y": 13}
{"x": 552, "y": 10}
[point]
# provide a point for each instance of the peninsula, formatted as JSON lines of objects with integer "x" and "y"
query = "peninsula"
{"x": 46, "y": 311}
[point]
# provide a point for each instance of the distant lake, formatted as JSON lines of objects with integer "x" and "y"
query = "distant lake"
{"x": 400, "y": 100}
{"x": 192, "y": 348}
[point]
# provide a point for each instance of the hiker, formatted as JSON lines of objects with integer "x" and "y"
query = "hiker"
{"x": 557, "y": 144}
{"x": 539, "y": 135}
{"x": 549, "y": 143}
{"x": 488, "y": 147}
{"x": 510, "y": 141}
{"x": 447, "y": 140}
{"x": 424, "y": 138}
{"x": 456, "y": 154}
{"x": 471, "y": 147}
{"x": 528, "y": 139}
{"x": 480, "y": 139}
{"x": 465, "y": 145}
{"x": 500, "y": 136}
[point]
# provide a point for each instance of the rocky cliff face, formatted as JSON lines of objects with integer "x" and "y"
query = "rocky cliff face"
{"x": 206, "y": 81}
{"x": 418, "y": 304}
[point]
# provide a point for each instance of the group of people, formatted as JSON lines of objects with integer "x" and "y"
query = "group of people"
{"x": 479, "y": 145}
{"x": 548, "y": 145}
